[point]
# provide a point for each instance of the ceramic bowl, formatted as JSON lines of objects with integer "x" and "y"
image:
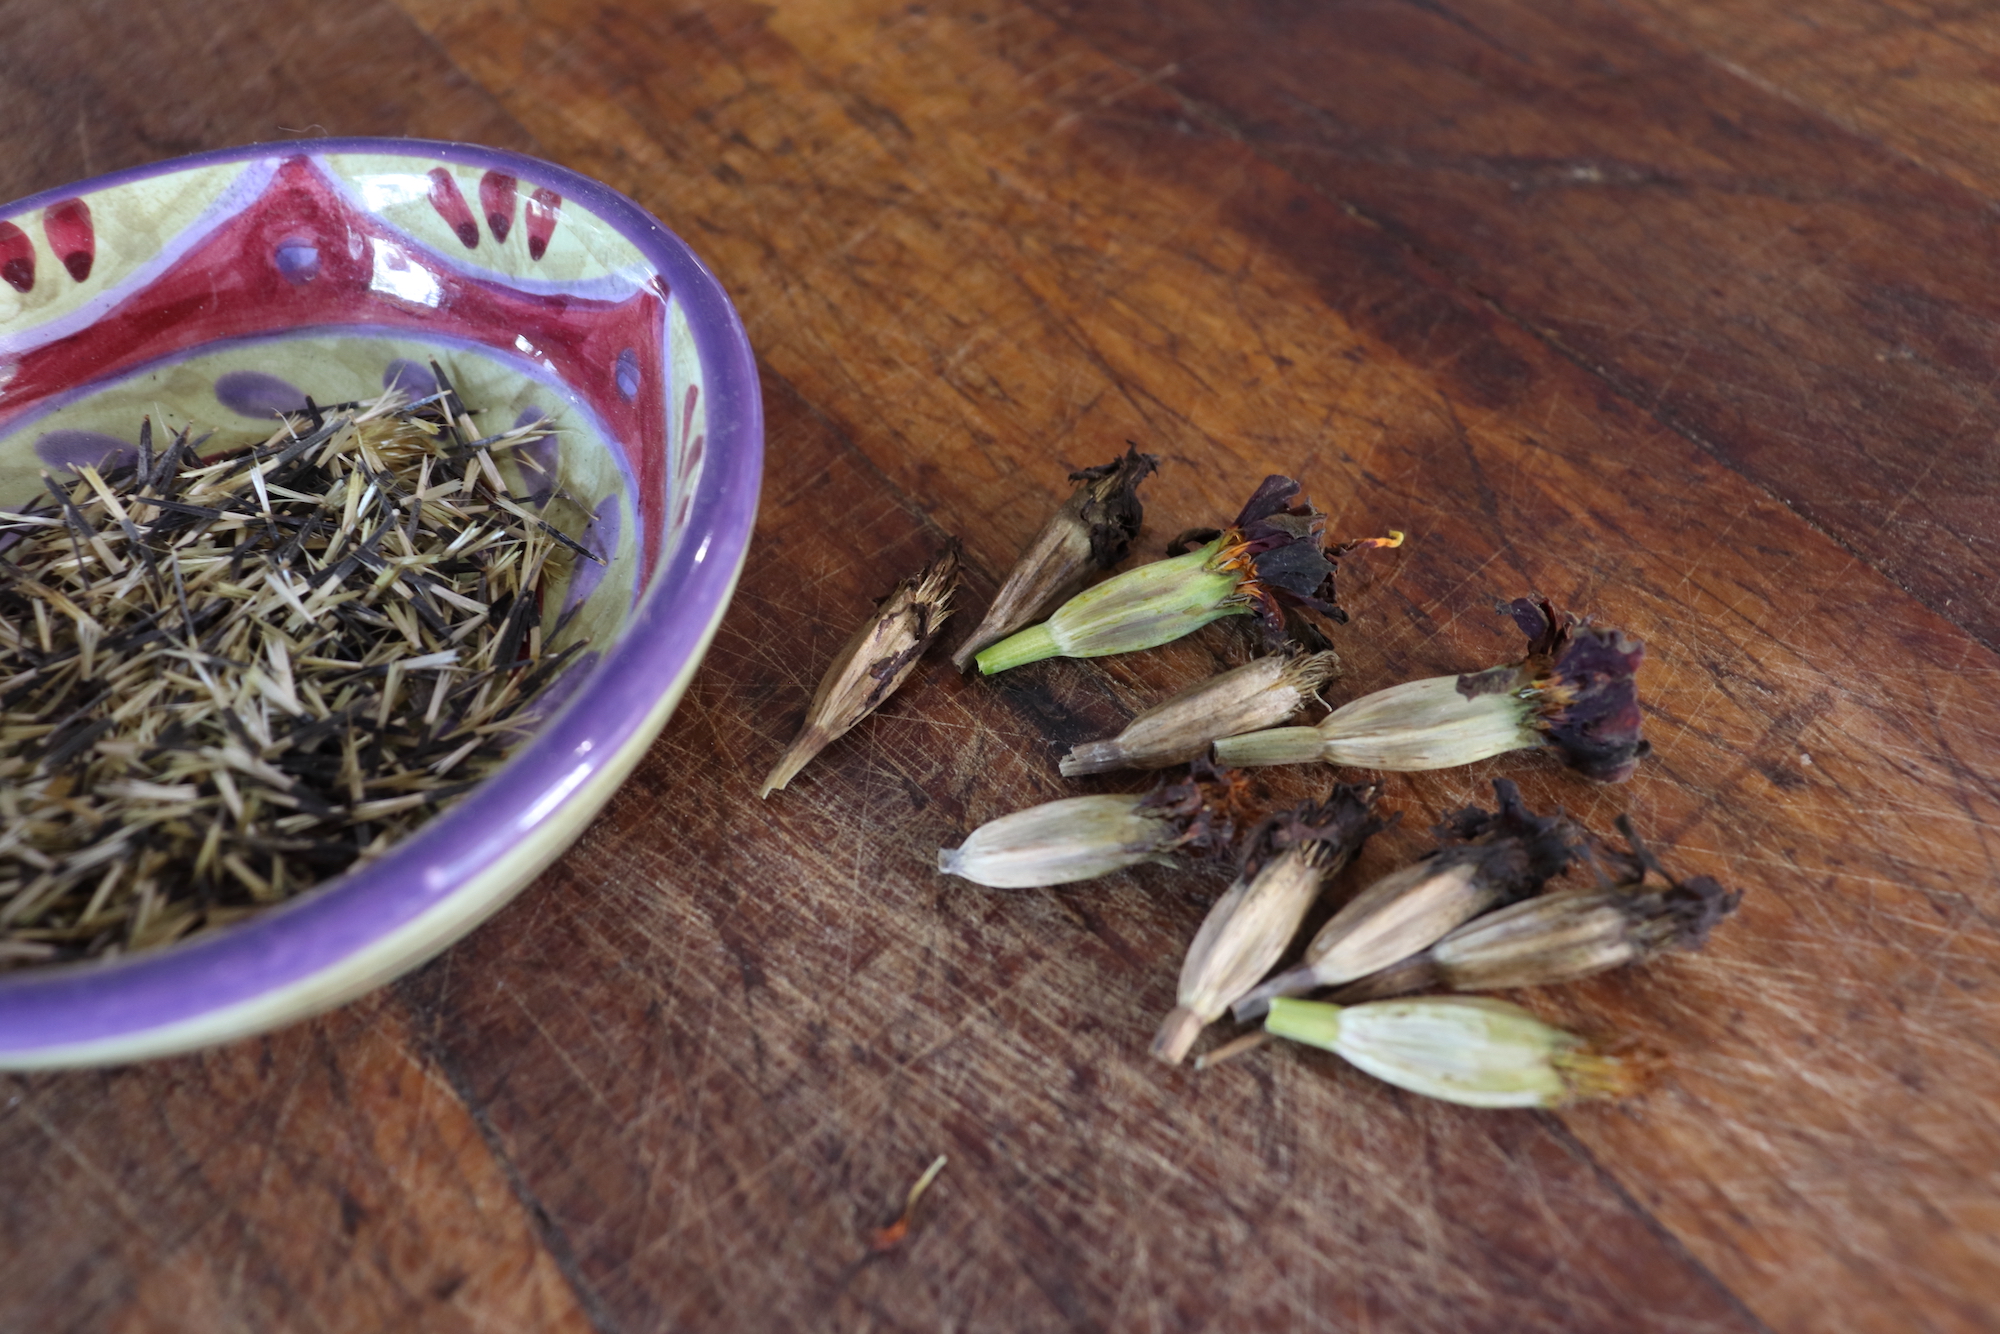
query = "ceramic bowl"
{"x": 220, "y": 288}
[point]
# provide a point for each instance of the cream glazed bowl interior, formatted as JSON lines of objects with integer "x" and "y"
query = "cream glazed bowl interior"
{"x": 221, "y": 288}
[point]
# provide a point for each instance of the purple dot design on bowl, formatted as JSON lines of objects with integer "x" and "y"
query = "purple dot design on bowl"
{"x": 73, "y": 451}
{"x": 255, "y": 394}
{"x": 538, "y": 458}
{"x": 601, "y": 538}
{"x": 297, "y": 259}
{"x": 627, "y": 374}
{"x": 414, "y": 380}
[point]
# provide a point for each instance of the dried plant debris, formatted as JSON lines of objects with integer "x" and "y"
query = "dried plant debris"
{"x": 889, "y": 1238}
{"x": 1485, "y": 859}
{"x": 225, "y": 677}
{"x": 1092, "y": 531}
{"x": 1272, "y": 560}
{"x": 1285, "y": 861}
{"x": 1574, "y": 692}
{"x": 1638, "y": 913}
{"x": 1261, "y": 693}
{"x": 1081, "y": 838}
{"x": 1463, "y": 1049}
{"x": 874, "y": 663}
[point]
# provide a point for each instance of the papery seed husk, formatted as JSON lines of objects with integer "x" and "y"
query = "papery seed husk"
{"x": 1397, "y": 916}
{"x": 1260, "y": 693}
{"x": 1078, "y": 838}
{"x": 1538, "y": 942}
{"x": 874, "y": 662}
{"x": 1418, "y": 725}
{"x": 1243, "y": 935}
{"x": 1490, "y": 859}
{"x": 1092, "y": 531}
{"x": 1058, "y": 842}
{"x": 1464, "y": 1049}
{"x": 1285, "y": 862}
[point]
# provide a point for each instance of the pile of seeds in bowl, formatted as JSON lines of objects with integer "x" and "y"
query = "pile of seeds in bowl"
{"x": 227, "y": 674}
{"x": 1484, "y": 910}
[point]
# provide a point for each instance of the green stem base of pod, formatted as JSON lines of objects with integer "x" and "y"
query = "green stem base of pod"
{"x": 1278, "y": 745}
{"x": 1016, "y": 650}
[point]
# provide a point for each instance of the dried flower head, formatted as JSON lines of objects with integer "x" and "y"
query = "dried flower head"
{"x": 1261, "y": 692}
{"x": 1579, "y": 678}
{"x": 1080, "y": 838}
{"x": 1273, "y": 558}
{"x": 1573, "y": 692}
{"x": 875, "y": 661}
{"x": 1485, "y": 859}
{"x": 1463, "y": 1049}
{"x": 1285, "y": 861}
{"x": 1092, "y": 531}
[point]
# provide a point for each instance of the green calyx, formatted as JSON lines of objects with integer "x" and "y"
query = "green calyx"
{"x": 1139, "y": 609}
{"x": 1315, "y": 1023}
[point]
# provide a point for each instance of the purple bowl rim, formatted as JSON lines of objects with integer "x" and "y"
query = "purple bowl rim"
{"x": 285, "y": 945}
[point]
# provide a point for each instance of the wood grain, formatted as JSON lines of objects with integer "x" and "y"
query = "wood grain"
{"x": 323, "y": 1179}
{"x": 1809, "y": 306}
{"x": 978, "y": 245}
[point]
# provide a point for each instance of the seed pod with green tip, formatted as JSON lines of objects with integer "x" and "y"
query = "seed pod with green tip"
{"x": 1486, "y": 860}
{"x": 1080, "y": 838}
{"x": 873, "y": 663}
{"x": 1561, "y": 937}
{"x": 1261, "y": 692}
{"x": 1092, "y": 531}
{"x": 1286, "y": 861}
{"x": 1272, "y": 558}
{"x": 1574, "y": 692}
{"x": 1463, "y": 1049}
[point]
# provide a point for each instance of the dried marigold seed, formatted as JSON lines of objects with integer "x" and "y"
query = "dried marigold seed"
{"x": 1486, "y": 859}
{"x": 1080, "y": 838}
{"x": 1261, "y": 692}
{"x": 1463, "y": 1049}
{"x": 1573, "y": 693}
{"x": 1640, "y": 913}
{"x": 1274, "y": 557}
{"x": 874, "y": 662}
{"x": 1285, "y": 861}
{"x": 1092, "y": 531}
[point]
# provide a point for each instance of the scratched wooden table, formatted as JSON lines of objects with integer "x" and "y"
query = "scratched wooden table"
{"x": 1685, "y": 313}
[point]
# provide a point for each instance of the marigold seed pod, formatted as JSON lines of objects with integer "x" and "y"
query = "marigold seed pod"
{"x": 1573, "y": 693}
{"x": 1286, "y": 861}
{"x": 1080, "y": 838}
{"x": 1272, "y": 558}
{"x": 1077, "y": 838}
{"x": 1092, "y": 531}
{"x": 1266, "y": 690}
{"x": 874, "y": 662}
{"x": 1463, "y": 1049}
{"x": 1487, "y": 860}
{"x": 1562, "y": 937}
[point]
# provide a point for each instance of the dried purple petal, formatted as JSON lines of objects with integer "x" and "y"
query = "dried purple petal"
{"x": 1587, "y": 700}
